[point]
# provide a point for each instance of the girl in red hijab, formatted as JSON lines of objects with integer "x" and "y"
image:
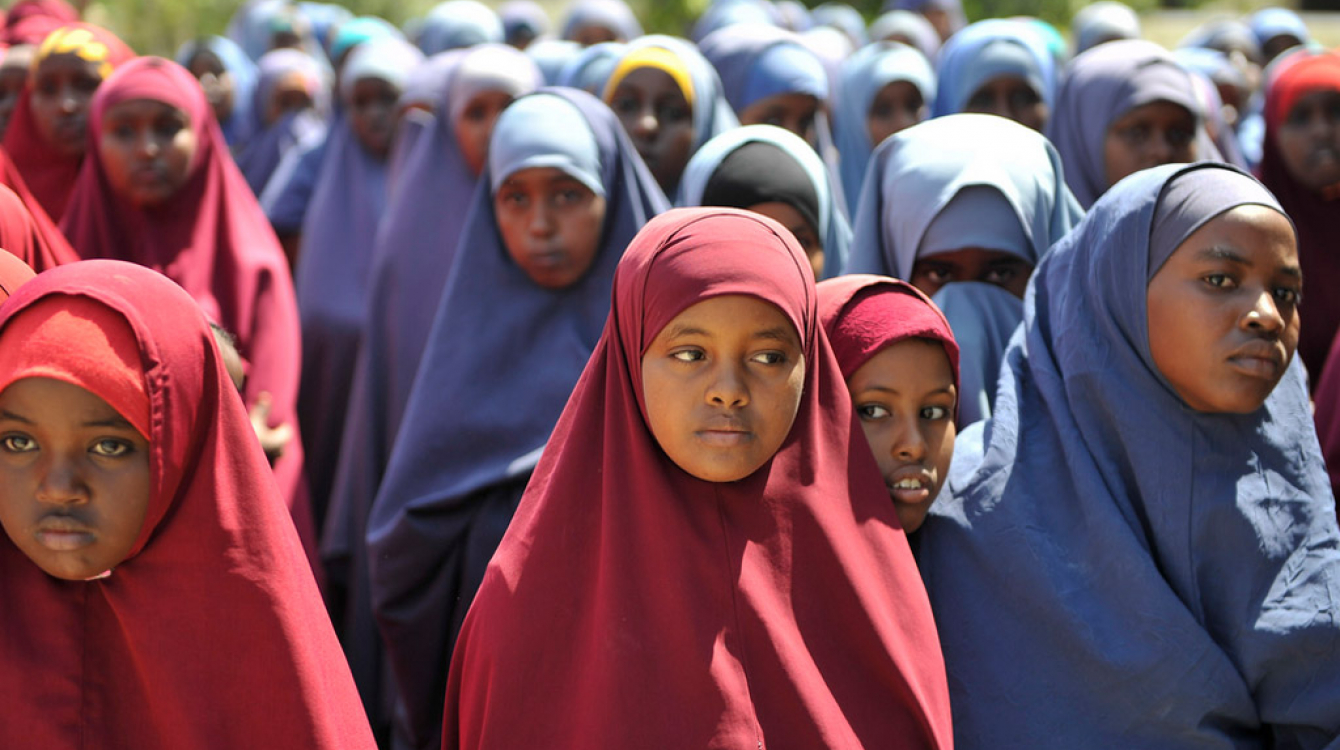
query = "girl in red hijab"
{"x": 159, "y": 189}
{"x": 46, "y": 137}
{"x": 703, "y": 558}
{"x": 165, "y": 602}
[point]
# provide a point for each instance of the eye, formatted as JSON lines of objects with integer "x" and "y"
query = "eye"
{"x": 1180, "y": 137}
{"x": 17, "y": 443}
{"x": 1000, "y": 275}
{"x": 1288, "y": 295}
{"x": 688, "y": 355}
{"x": 512, "y": 198}
{"x": 624, "y": 105}
{"x": 1219, "y": 281}
{"x": 871, "y": 412}
{"x": 112, "y": 447}
{"x": 934, "y": 413}
{"x": 939, "y": 274}
{"x": 772, "y": 357}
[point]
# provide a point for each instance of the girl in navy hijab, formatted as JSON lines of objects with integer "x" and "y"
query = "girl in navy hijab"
{"x": 562, "y": 195}
{"x": 1146, "y": 519}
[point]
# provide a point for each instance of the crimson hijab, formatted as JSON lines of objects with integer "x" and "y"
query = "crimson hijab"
{"x": 631, "y": 604}
{"x": 49, "y": 174}
{"x": 30, "y": 235}
{"x": 13, "y": 274}
{"x": 1316, "y": 215}
{"x": 212, "y": 238}
{"x": 212, "y": 632}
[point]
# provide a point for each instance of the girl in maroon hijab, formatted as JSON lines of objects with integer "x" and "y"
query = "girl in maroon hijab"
{"x": 159, "y": 189}
{"x": 46, "y": 137}
{"x": 701, "y": 558}
{"x": 165, "y": 602}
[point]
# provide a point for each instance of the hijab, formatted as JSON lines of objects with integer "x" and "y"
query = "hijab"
{"x": 756, "y": 61}
{"x": 907, "y": 27}
{"x": 459, "y": 23}
{"x": 983, "y": 318}
{"x": 553, "y": 56}
{"x": 30, "y": 21}
{"x": 523, "y": 21}
{"x": 614, "y": 15}
{"x": 262, "y": 154}
{"x": 782, "y": 167}
{"x": 212, "y": 631}
{"x": 242, "y": 122}
{"x": 785, "y": 607}
{"x": 14, "y": 273}
{"x": 212, "y": 239}
{"x": 1268, "y": 23}
{"x": 1100, "y": 86}
{"x": 990, "y": 49}
{"x": 338, "y": 236}
{"x": 864, "y": 75}
{"x": 1102, "y": 22}
{"x": 1164, "y": 577}
{"x": 590, "y": 69}
{"x": 48, "y": 174}
{"x": 1317, "y": 216}
{"x": 479, "y": 414}
{"x": 23, "y": 234}
{"x": 917, "y": 173}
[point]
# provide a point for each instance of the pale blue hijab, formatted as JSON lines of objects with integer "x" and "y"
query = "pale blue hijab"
{"x": 989, "y": 49}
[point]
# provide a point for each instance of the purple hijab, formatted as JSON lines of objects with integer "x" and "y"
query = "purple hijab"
{"x": 260, "y": 155}
{"x": 481, "y": 408}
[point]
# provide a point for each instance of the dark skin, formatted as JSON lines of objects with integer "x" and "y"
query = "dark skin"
{"x": 1005, "y": 270}
{"x": 659, "y": 120}
{"x": 1012, "y": 98}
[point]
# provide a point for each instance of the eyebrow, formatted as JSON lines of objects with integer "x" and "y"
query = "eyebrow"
{"x": 778, "y": 333}
{"x": 1228, "y": 254}
{"x": 7, "y": 414}
{"x": 947, "y": 390}
{"x": 116, "y": 421}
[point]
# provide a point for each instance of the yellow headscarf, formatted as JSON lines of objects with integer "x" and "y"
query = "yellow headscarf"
{"x": 659, "y": 58}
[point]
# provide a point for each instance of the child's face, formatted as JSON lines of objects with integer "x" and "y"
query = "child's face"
{"x": 1005, "y": 270}
{"x": 147, "y": 148}
{"x": 659, "y": 120}
{"x": 1148, "y": 135}
{"x": 290, "y": 94}
{"x": 905, "y": 398}
{"x": 786, "y": 214}
{"x": 897, "y": 106}
{"x": 372, "y": 114}
{"x": 74, "y": 478}
{"x": 792, "y": 111}
{"x": 1309, "y": 140}
{"x": 216, "y": 81}
{"x": 474, "y": 125}
{"x": 550, "y": 223}
{"x": 722, "y": 383}
{"x": 62, "y": 88}
{"x": 1223, "y": 311}
{"x": 1010, "y": 97}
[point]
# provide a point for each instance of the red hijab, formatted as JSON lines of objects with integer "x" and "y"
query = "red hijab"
{"x": 31, "y": 236}
{"x": 212, "y": 632}
{"x": 14, "y": 273}
{"x": 1316, "y": 216}
{"x": 863, "y": 313}
{"x": 212, "y": 238}
{"x": 49, "y": 174}
{"x": 631, "y": 604}
{"x": 30, "y": 21}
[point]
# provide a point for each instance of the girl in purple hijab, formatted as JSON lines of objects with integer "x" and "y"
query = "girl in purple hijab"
{"x": 562, "y": 195}
{"x": 589, "y": 22}
{"x": 290, "y": 104}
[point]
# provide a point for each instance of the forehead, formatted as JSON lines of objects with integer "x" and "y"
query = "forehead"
{"x": 537, "y": 177}
{"x": 650, "y": 82}
{"x": 142, "y": 109}
{"x": 731, "y": 315}
{"x": 67, "y": 63}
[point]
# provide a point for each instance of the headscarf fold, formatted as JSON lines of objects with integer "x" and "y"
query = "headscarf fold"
{"x": 142, "y": 657}
{"x": 1123, "y": 544}
{"x": 749, "y": 645}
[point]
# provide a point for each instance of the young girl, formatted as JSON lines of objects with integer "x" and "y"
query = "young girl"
{"x": 900, "y": 361}
{"x": 563, "y": 194}
{"x": 997, "y": 66}
{"x": 1145, "y": 520}
{"x": 166, "y": 601}
{"x": 770, "y": 77}
{"x": 228, "y": 77}
{"x": 289, "y": 109}
{"x": 701, "y": 559}
{"x": 159, "y": 189}
{"x": 48, "y": 132}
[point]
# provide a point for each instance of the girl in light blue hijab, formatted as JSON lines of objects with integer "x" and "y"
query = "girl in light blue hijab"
{"x": 997, "y": 66}
{"x": 458, "y": 23}
{"x": 231, "y": 76}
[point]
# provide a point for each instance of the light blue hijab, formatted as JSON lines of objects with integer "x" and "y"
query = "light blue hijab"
{"x": 1103, "y": 21}
{"x": 983, "y": 318}
{"x": 917, "y": 172}
{"x": 241, "y": 122}
{"x": 988, "y": 49}
{"x": 458, "y": 23}
{"x": 1111, "y": 569}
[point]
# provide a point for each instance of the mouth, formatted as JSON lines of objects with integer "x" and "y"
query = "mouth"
{"x": 63, "y": 534}
{"x": 1262, "y": 359}
{"x": 911, "y": 486}
{"x": 728, "y": 435}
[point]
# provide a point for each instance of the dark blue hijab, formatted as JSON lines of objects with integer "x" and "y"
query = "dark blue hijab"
{"x": 1111, "y": 569}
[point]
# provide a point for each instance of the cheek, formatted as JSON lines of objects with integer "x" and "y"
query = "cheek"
{"x": 1118, "y": 160}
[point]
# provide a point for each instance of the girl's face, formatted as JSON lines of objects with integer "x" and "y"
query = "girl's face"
{"x": 474, "y": 125}
{"x": 594, "y": 33}
{"x": 1147, "y": 136}
{"x": 216, "y": 81}
{"x": 372, "y": 114}
{"x": 550, "y": 223}
{"x": 12, "y": 79}
{"x": 62, "y": 88}
{"x": 147, "y": 149}
{"x": 722, "y": 383}
{"x": 794, "y": 112}
{"x": 1309, "y": 140}
{"x": 897, "y": 106}
{"x": 1005, "y": 270}
{"x": 1223, "y": 311}
{"x": 1012, "y": 98}
{"x": 905, "y": 398}
{"x": 805, "y": 233}
{"x": 658, "y": 118}
{"x": 74, "y": 478}
{"x": 290, "y": 94}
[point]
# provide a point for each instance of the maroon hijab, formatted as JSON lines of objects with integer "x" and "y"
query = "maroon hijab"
{"x": 631, "y": 604}
{"x": 30, "y": 235}
{"x": 212, "y": 632}
{"x": 863, "y": 313}
{"x": 14, "y": 273}
{"x": 49, "y": 174}
{"x": 212, "y": 238}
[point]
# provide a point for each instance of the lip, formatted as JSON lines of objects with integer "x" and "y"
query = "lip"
{"x": 911, "y": 496}
{"x": 63, "y": 534}
{"x": 1260, "y": 359}
{"x": 548, "y": 258}
{"x": 725, "y": 433}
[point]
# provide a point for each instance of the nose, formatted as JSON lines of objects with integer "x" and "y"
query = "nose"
{"x": 69, "y": 100}
{"x": 728, "y": 388}
{"x": 645, "y": 124}
{"x": 1160, "y": 148}
{"x": 1264, "y": 315}
{"x": 908, "y": 442}
{"x": 541, "y": 220}
{"x": 61, "y": 482}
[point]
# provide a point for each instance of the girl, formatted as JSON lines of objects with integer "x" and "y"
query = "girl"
{"x": 47, "y": 134}
{"x": 338, "y": 234}
{"x": 563, "y": 194}
{"x": 701, "y": 560}
{"x": 1145, "y": 519}
{"x": 458, "y": 23}
{"x": 900, "y": 361}
{"x": 1122, "y": 107}
{"x": 771, "y": 171}
{"x": 590, "y": 22}
{"x": 769, "y": 77}
{"x": 1000, "y": 67}
{"x": 289, "y": 110}
{"x": 228, "y": 77}
{"x": 669, "y": 99}
{"x": 158, "y": 188}
{"x": 166, "y": 601}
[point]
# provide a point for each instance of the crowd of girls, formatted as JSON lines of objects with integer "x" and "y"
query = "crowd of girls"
{"x": 797, "y": 382}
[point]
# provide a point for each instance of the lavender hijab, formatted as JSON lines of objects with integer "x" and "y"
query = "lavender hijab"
{"x": 333, "y": 266}
{"x": 990, "y": 49}
{"x": 458, "y": 23}
{"x": 1100, "y": 86}
{"x": 614, "y": 15}
{"x": 269, "y": 143}
{"x": 482, "y": 408}
{"x": 916, "y": 173}
{"x": 1163, "y": 577}
{"x": 907, "y": 27}
{"x": 1103, "y": 21}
